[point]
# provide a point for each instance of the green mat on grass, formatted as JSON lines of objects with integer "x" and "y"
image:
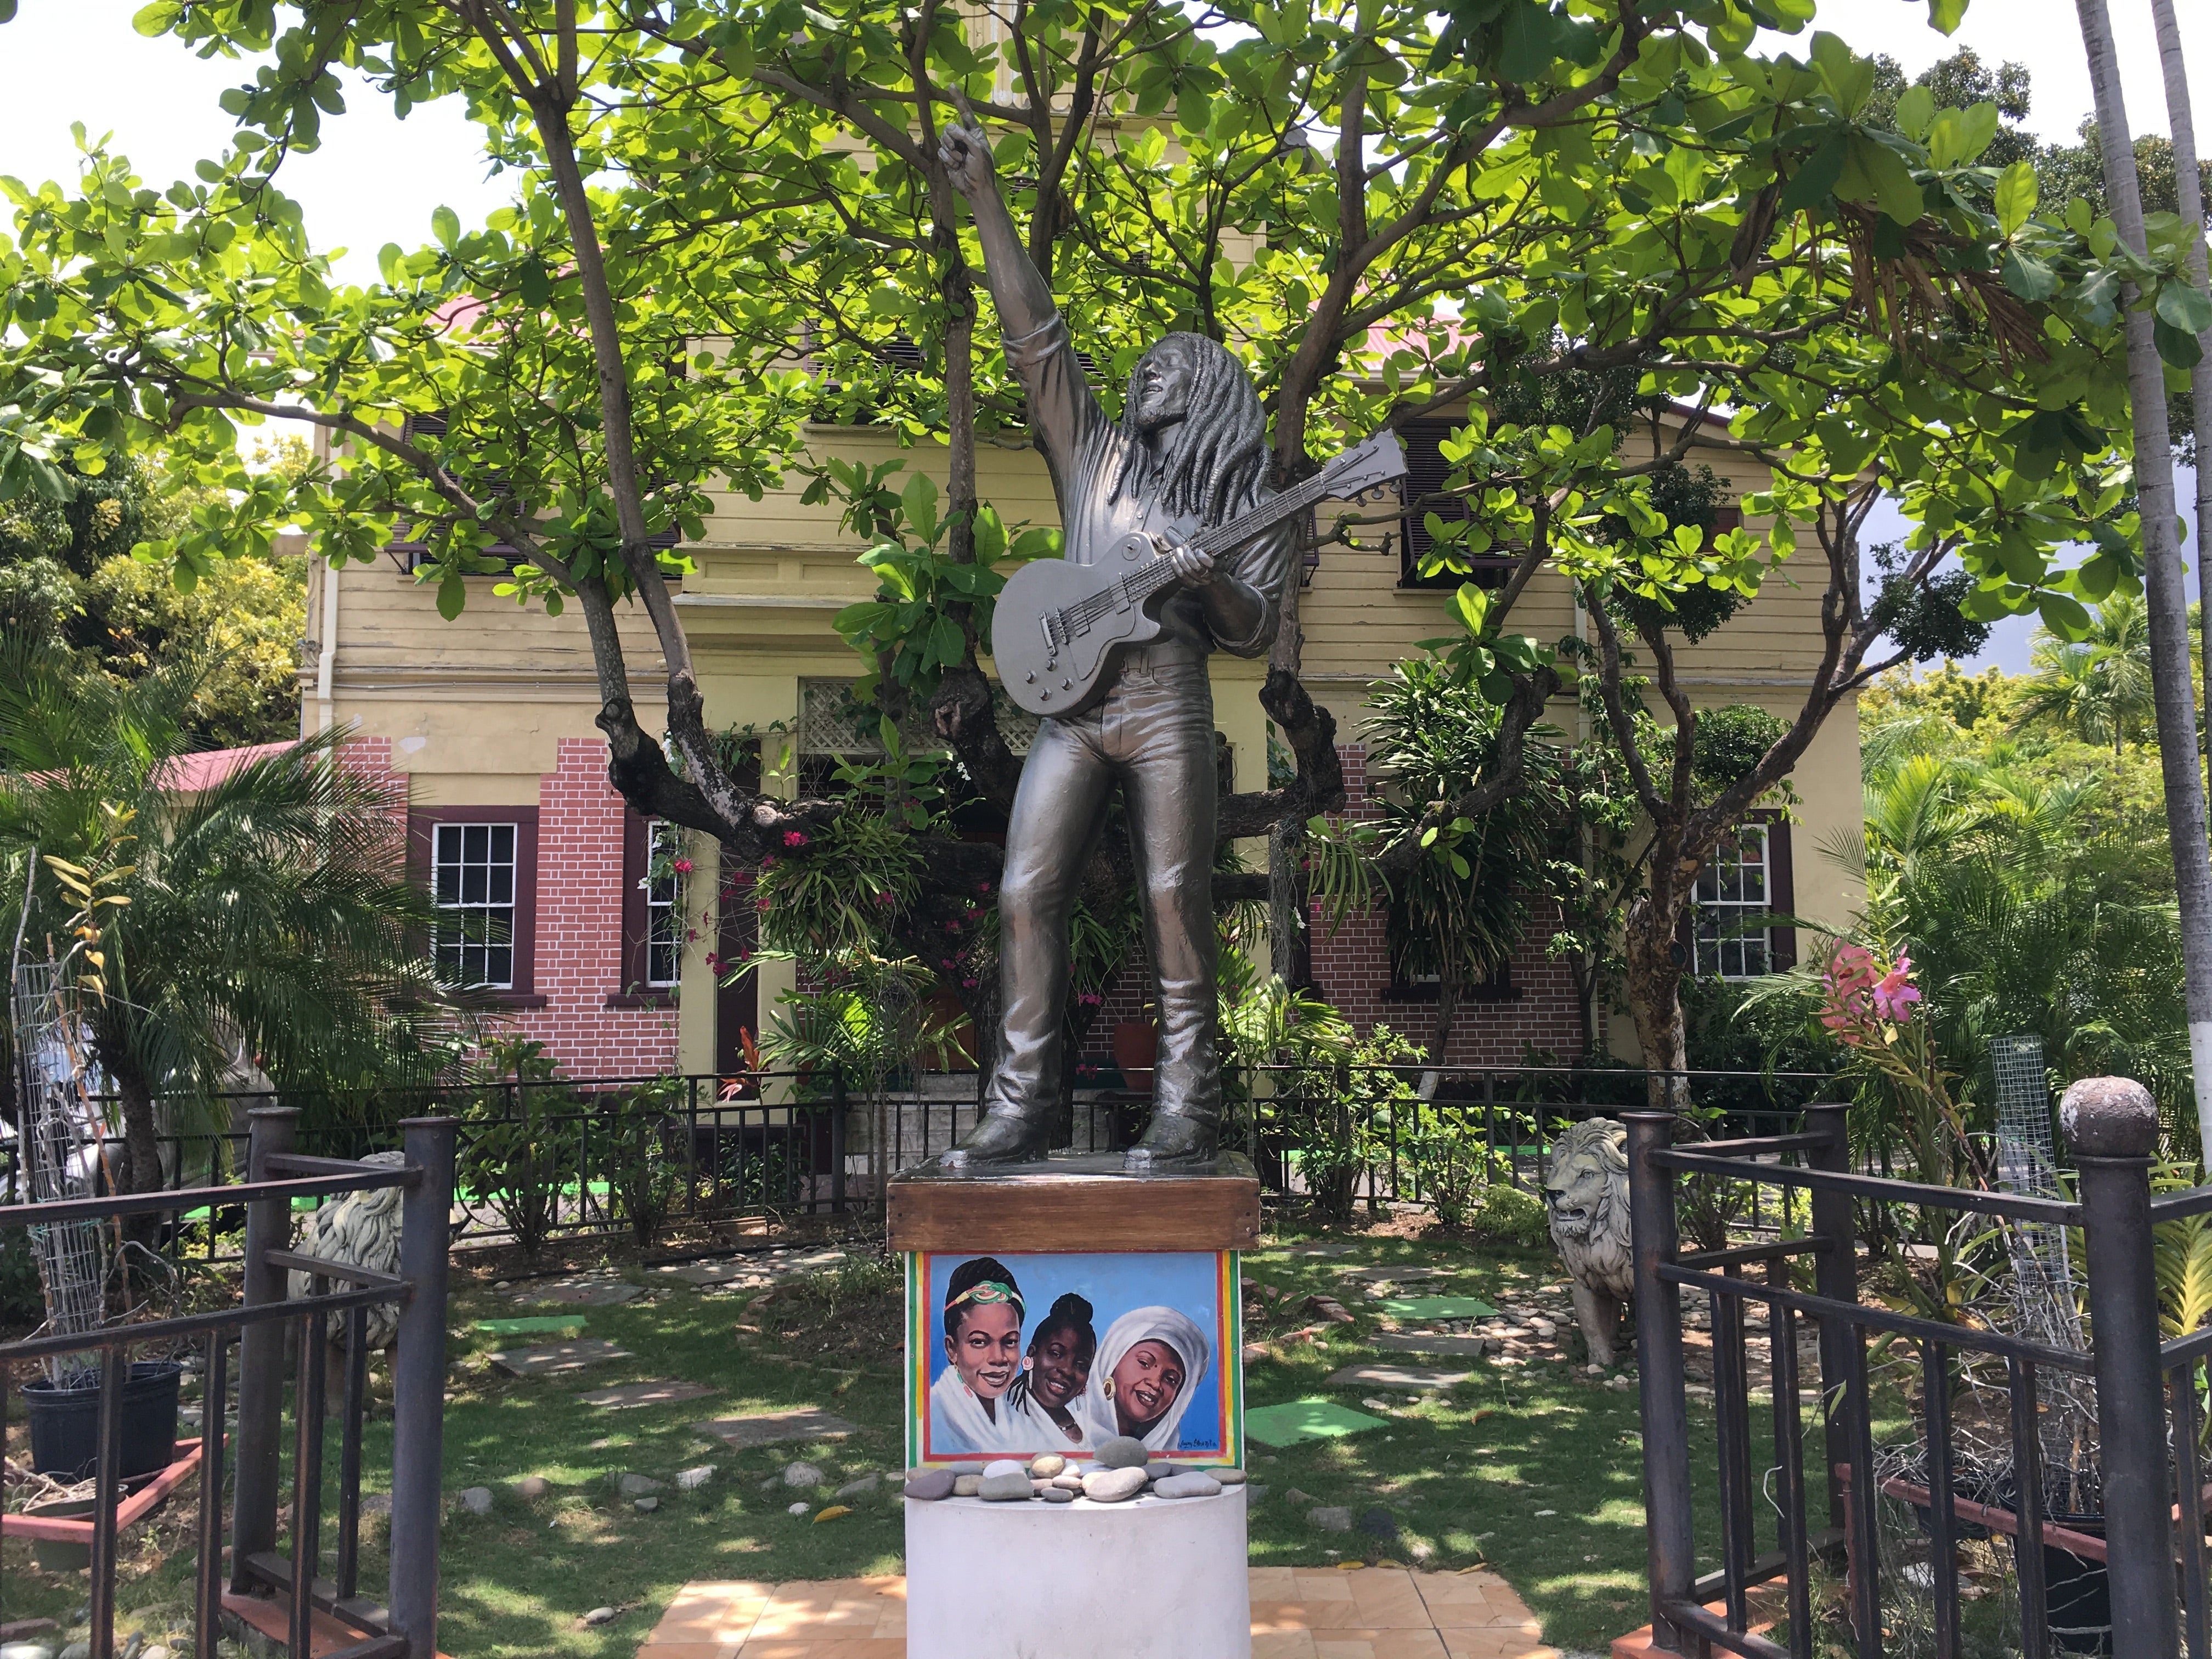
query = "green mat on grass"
{"x": 1436, "y": 1307}
{"x": 1304, "y": 1419}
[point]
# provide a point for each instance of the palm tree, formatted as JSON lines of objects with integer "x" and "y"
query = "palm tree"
{"x": 265, "y": 916}
{"x": 2100, "y": 688}
{"x": 2165, "y": 589}
{"x": 2188, "y": 184}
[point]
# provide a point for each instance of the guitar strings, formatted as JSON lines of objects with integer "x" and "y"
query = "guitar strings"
{"x": 1077, "y": 619}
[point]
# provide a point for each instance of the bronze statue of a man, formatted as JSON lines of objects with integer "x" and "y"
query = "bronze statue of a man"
{"x": 1189, "y": 453}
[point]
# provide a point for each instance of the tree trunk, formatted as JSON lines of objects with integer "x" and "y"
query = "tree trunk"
{"x": 1289, "y": 930}
{"x": 141, "y": 1147}
{"x": 2165, "y": 593}
{"x": 2188, "y": 178}
{"x": 1655, "y": 1001}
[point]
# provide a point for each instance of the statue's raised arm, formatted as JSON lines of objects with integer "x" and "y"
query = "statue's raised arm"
{"x": 1024, "y": 298}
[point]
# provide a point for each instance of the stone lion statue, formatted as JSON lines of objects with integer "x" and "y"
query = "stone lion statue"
{"x": 1586, "y": 1194}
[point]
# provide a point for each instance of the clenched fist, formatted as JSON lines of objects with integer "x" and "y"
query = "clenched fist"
{"x": 967, "y": 157}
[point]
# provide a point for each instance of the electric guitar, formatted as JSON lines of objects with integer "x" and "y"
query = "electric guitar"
{"x": 1059, "y": 626}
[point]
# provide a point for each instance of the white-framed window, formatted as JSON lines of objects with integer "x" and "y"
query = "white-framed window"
{"x": 664, "y": 938}
{"x": 1736, "y": 891}
{"x": 472, "y": 868}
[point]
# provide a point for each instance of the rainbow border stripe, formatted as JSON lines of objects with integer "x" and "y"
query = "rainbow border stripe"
{"x": 1229, "y": 1374}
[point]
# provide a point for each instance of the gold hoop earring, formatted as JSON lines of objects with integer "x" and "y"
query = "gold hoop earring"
{"x": 1107, "y": 1388}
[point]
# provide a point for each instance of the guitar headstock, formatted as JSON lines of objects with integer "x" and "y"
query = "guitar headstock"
{"x": 1359, "y": 471}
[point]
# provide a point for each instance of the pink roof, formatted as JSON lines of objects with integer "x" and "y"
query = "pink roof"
{"x": 190, "y": 775}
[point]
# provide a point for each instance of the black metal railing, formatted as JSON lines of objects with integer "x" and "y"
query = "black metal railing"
{"x": 1833, "y": 1512}
{"x": 785, "y": 1143}
{"x": 404, "y": 1626}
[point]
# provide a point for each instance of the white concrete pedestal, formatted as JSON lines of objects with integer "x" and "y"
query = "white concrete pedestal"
{"x": 1151, "y": 1578}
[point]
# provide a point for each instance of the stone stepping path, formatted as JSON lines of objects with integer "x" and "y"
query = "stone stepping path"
{"x": 768, "y": 1428}
{"x": 629, "y": 1395}
{"x": 1396, "y": 1376}
{"x": 582, "y": 1292}
{"x": 743, "y": 1275}
{"x": 753, "y": 1271}
{"x": 557, "y": 1359}
{"x": 1389, "y": 1275}
{"x": 1451, "y": 1348}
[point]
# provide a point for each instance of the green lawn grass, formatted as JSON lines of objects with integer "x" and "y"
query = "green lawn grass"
{"x": 1535, "y": 1470}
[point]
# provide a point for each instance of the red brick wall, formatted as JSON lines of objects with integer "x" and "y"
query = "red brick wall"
{"x": 1352, "y": 966}
{"x": 579, "y": 918}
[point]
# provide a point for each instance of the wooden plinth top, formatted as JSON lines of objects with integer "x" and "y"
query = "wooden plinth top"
{"x": 1074, "y": 1202}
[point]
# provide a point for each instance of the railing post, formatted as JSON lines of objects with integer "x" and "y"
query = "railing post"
{"x": 2112, "y": 1127}
{"x": 1659, "y": 1377}
{"x": 418, "y": 1386}
{"x": 1836, "y": 1277}
{"x": 272, "y": 1130}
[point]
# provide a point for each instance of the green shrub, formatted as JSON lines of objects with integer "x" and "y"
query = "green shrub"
{"x": 22, "y": 1303}
{"x": 1452, "y": 1164}
{"x": 644, "y": 1172}
{"x": 523, "y": 1141}
{"x": 1506, "y": 1215}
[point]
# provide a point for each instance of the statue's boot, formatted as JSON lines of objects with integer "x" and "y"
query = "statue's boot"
{"x": 1174, "y": 1140}
{"x": 1003, "y": 1136}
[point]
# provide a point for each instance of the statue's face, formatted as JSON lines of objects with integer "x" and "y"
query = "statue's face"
{"x": 1575, "y": 1190}
{"x": 1164, "y": 383}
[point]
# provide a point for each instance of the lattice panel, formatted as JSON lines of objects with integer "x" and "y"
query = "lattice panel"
{"x": 831, "y": 723}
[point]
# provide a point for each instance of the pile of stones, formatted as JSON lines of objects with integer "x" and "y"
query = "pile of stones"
{"x": 1120, "y": 1470}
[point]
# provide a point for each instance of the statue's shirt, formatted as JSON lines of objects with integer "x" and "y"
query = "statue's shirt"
{"x": 1085, "y": 450}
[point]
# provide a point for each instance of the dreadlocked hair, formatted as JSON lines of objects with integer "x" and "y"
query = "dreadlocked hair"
{"x": 1209, "y": 465}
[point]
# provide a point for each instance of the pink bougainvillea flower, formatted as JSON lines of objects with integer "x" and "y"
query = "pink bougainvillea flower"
{"x": 885, "y": 900}
{"x": 713, "y": 962}
{"x": 970, "y": 983}
{"x": 682, "y": 867}
{"x": 768, "y": 860}
{"x": 1895, "y": 994}
{"x": 794, "y": 838}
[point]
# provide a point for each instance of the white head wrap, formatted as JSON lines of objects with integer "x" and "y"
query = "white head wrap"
{"x": 1139, "y": 1325}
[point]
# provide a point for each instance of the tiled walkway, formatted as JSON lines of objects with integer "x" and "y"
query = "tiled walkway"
{"x": 1298, "y": 1613}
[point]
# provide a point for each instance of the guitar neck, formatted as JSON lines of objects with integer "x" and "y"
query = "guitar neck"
{"x": 1238, "y": 531}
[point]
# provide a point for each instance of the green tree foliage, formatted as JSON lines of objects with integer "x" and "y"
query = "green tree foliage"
{"x": 68, "y": 578}
{"x": 2098, "y": 688}
{"x": 2026, "y": 872}
{"x": 730, "y": 218}
{"x": 267, "y": 917}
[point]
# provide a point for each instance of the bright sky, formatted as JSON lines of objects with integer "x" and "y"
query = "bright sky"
{"x": 376, "y": 179}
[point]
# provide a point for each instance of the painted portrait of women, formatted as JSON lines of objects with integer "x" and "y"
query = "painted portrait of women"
{"x": 1149, "y": 1367}
{"x": 969, "y": 1409}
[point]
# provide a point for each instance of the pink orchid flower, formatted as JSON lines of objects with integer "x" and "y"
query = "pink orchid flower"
{"x": 1894, "y": 995}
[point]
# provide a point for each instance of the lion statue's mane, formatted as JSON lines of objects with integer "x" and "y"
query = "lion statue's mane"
{"x": 1586, "y": 1194}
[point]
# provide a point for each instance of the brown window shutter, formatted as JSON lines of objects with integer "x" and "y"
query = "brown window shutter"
{"x": 1781, "y": 890}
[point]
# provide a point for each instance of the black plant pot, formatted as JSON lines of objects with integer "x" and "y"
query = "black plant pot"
{"x": 2077, "y": 1592}
{"x": 65, "y": 1423}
